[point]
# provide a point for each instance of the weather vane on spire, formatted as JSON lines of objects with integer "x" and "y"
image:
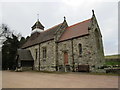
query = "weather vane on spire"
{"x": 38, "y": 17}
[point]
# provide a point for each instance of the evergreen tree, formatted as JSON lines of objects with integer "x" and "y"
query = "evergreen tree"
{"x": 9, "y": 51}
{"x": 27, "y": 38}
{"x": 9, "y": 48}
{"x": 22, "y": 41}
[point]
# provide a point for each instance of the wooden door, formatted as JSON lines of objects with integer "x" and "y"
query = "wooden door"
{"x": 65, "y": 58}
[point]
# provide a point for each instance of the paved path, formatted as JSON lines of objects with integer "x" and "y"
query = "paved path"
{"x": 48, "y": 80}
{"x": 0, "y": 79}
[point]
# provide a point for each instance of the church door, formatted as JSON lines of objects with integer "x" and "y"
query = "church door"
{"x": 65, "y": 58}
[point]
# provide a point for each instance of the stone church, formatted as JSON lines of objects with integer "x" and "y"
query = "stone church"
{"x": 64, "y": 48}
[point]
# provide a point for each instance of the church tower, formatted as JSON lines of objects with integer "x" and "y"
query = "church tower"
{"x": 37, "y": 27}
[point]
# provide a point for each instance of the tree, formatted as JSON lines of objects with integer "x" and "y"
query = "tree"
{"x": 9, "y": 51}
{"x": 4, "y": 34}
{"x": 22, "y": 41}
{"x": 27, "y": 38}
{"x": 9, "y": 48}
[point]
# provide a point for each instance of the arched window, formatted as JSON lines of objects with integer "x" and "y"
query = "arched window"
{"x": 44, "y": 53}
{"x": 97, "y": 36}
{"x": 80, "y": 49}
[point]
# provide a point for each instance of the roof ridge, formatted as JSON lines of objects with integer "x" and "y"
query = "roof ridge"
{"x": 79, "y": 23}
{"x": 52, "y": 27}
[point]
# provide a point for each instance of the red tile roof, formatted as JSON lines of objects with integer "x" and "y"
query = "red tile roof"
{"x": 76, "y": 30}
{"x": 73, "y": 31}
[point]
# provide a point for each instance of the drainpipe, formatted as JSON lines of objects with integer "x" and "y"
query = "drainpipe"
{"x": 39, "y": 58}
{"x": 73, "y": 56}
{"x": 56, "y": 56}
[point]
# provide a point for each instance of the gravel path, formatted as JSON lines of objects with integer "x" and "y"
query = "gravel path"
{"x": 50, "y": 80}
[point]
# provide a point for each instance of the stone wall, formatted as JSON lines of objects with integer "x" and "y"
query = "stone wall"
{"x": 91, "y": 54}
{"x": 64, "y": 47}
{"x": 99, "y": 53}
{"x": 50, "y": 63}
{"x": 45, "y": 65}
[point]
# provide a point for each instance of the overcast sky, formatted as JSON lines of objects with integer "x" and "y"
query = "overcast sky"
{"x": 20, "y": 16}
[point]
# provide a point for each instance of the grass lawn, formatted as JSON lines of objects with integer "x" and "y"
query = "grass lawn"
{"x": 112, "y": 56}
{"x": 112, "y": 63}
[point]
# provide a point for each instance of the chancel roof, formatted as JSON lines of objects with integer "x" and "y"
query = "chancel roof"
{"x": 76, "y": 30}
